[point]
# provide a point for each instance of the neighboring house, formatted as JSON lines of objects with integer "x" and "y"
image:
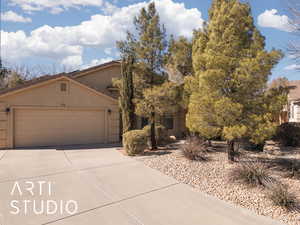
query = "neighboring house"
{"x": 80, "y": 107}
{"x": 294, "y": 102}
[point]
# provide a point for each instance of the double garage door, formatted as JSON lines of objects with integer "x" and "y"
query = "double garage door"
{"x": 37, "y": 127}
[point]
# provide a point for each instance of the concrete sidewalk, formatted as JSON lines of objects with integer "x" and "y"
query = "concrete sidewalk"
{"x": 109, "y": 189}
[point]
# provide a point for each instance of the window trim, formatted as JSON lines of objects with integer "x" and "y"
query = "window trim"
{"x": 63, "y": 87}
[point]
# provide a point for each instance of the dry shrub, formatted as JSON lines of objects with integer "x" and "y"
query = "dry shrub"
{"x": 195, "y": 149}
{"x": 280, "y": 196}
{"x": 252, "y": 173}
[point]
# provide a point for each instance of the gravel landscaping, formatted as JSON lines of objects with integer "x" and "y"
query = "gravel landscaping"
{"x": 211, "y": 177}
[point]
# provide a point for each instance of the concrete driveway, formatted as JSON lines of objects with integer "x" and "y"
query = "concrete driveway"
{"x": 102, "y": 187}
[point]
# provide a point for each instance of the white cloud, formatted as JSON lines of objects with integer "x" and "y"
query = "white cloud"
{"x": 17, "y": 46}
{"x": 178, "y": 19}
{"x": 55, "y": 6}
{"x": 270, "y": 18}
{"x": 14, "y": 17}
{"x": 56, "y": 10}
{"x": 72, "y": 62}
{"x": 109, "y": 8}
{"x": 96, "y": 62}
{"x": 66, "y": 43}
{"x": 108, "y": 51}
{"x": 292, "y": 67}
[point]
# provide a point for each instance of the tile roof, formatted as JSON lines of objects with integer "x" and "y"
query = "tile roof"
{"x": 52, "y": 77}
{"x": 77, "y": 72}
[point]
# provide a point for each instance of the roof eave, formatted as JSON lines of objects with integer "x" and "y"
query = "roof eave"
{"x": 84, "y": 72}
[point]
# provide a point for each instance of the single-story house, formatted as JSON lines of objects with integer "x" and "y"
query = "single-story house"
{"x": 291, "y": 112}
{"x": 80, "y": 107}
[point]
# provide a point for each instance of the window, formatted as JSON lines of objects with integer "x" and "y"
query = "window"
{"x": 63, "y": 87}
{"x": 292, "y": 111}
{"x": 144, "y": 122}
{"x": 168, "y": 122}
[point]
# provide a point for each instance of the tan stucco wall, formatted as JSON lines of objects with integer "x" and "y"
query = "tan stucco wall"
{"x": 3, "y": 126}
{"x": 101, "y": 79}
{"x": 179, "y": 125}
{"x": 49, "y": 95}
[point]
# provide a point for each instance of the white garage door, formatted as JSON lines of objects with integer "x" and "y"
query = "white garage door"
{"x": 58, "y": 127}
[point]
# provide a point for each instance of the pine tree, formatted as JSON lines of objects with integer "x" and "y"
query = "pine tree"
{"x": 179, "y": 67}
{"x": 163, "y": 98}
{"x": 231, "y": 73}
{"x": 150, "y": 46}
{"x": 126, "y": 86}
{"x": 180, "y": 55}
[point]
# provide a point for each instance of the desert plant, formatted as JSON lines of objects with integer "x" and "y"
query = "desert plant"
{"x": 135, "y": 142}
{"x": 195, "y": 149}
{"x": 252, "y": 173}
{"x": 280, "y": 196}
{"x": 288, "y": 134}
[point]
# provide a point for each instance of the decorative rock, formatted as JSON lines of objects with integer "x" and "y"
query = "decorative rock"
{"x": 272, "y": 147}
{"x": 173, "y": 138}
{"x": 270, "y": 142}
{"x": 211, "y": 177}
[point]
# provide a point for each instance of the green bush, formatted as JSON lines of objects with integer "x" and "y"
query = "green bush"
{"x": 161, "y": 134}
{"x": 135, "y": 142}
{"x": 288, "y": 134}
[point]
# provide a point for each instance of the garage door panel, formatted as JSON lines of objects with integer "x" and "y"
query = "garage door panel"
{"x": 58, "y": 127}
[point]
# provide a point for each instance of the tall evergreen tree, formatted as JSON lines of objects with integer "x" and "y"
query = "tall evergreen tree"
{"x": 3, "y": 75}
{"x": 231, "y": 73}
{"x": 150, "y": 46}
{"x": 126, "y": 86}
{"x": 180, "y": 55}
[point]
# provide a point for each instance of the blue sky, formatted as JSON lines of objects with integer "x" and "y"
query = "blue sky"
{"x": 81, "y": 33}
